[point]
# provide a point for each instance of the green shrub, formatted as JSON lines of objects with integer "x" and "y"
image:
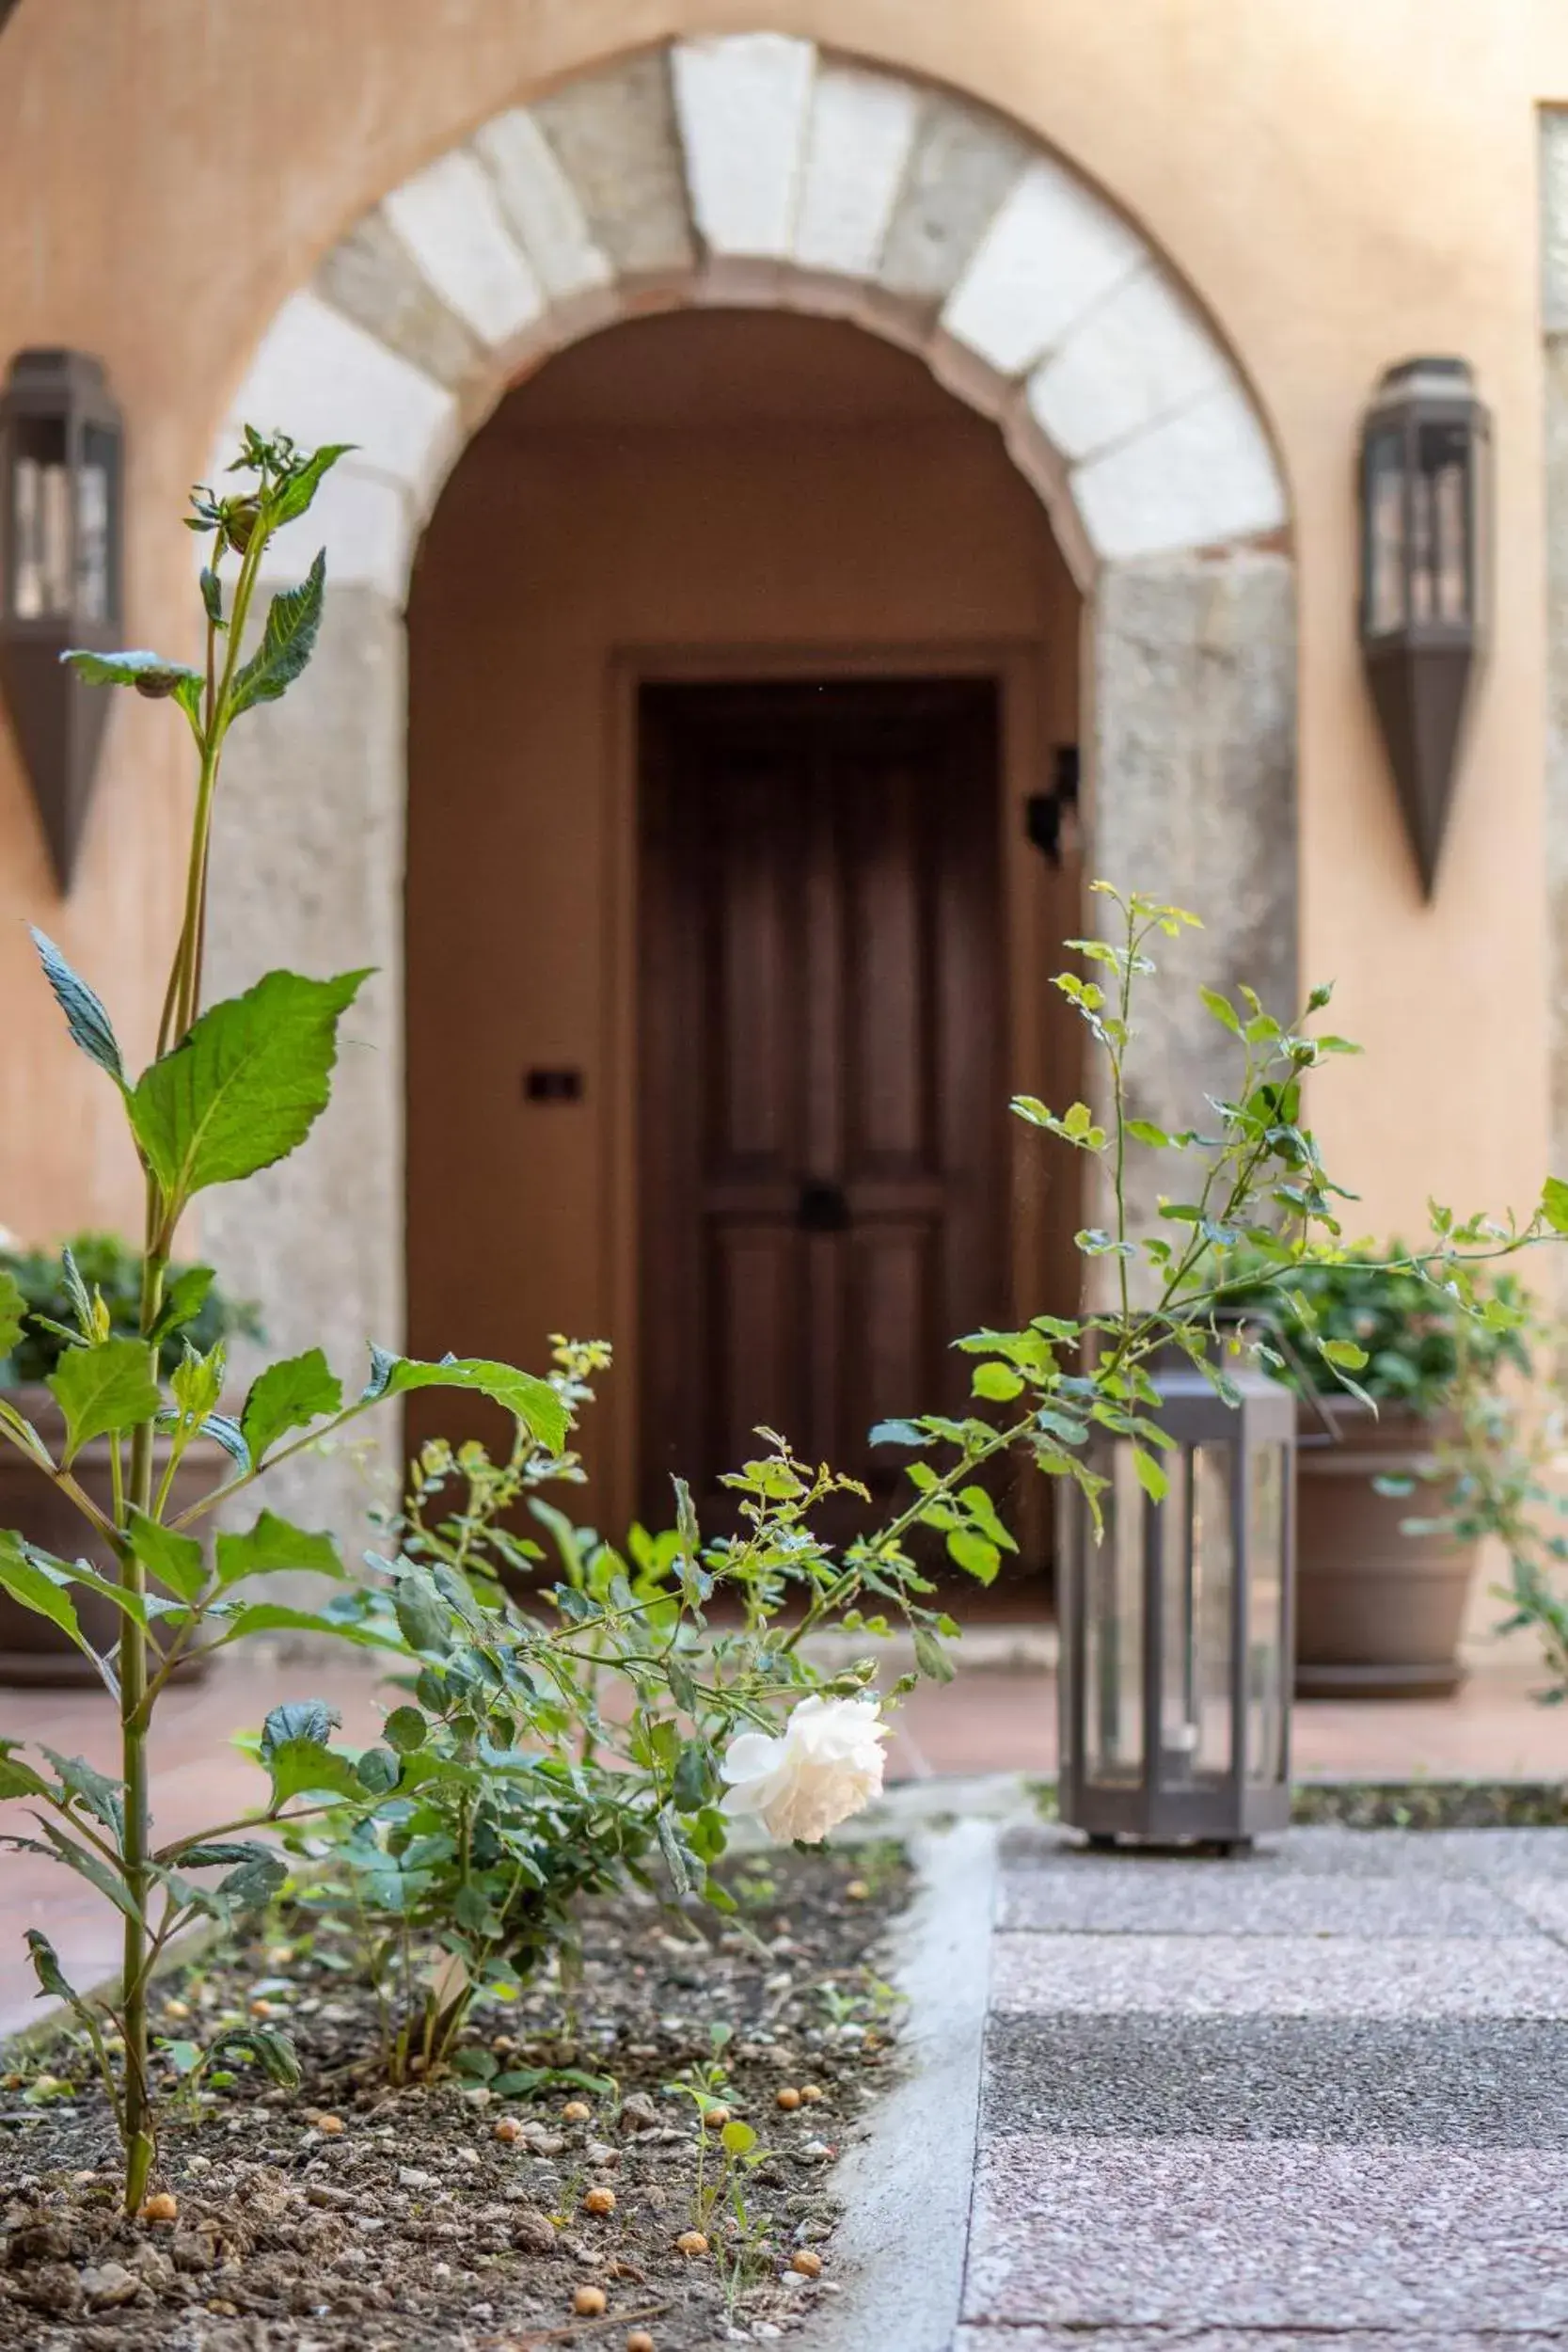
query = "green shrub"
{"x": 112, "y": 1268}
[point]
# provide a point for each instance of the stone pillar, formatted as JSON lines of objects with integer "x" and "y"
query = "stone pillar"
{"x": 1193, "y": 799}
{"x": 308, "y": 858}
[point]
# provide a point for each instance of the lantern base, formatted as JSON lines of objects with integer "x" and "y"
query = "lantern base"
{"x": 1197, "y": 1848}
{"x": 1219, "y": 1815}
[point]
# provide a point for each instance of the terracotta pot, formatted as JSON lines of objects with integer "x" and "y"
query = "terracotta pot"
{"x": 1378, "y": 1613}
{"x": 32, "y": 1650}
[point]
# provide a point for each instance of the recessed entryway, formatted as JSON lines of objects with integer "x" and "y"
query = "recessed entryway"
{"x": 821, "y": 1065}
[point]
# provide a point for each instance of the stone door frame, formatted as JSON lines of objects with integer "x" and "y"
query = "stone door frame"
{"x": 752, "y": 169}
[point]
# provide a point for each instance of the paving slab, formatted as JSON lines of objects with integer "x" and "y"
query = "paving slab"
{"x": 1416, "y": 1854}
{"x": 1010, "y": 2339}
{"x": 1411, "y": 2082}
{"x": 1282, "y": 1975}
{"x": 1207, "y": 1897}
{"x": 1112, "y": 2233}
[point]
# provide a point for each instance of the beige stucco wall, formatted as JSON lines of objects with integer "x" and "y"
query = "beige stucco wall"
{"x": 1340, "y": 184}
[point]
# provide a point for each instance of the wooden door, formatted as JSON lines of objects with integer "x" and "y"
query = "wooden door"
{"x": 822, "y": 1102}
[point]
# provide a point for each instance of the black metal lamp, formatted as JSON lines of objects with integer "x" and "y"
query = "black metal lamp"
{"x": 61, "y": 500}
{"x": 1175, "y": 1686}
{"x": 1425, "y": 531}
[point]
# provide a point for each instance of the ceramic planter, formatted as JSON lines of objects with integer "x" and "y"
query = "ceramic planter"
{"x": 1378, "y": 1613}
{"x": 32, "y": 1650}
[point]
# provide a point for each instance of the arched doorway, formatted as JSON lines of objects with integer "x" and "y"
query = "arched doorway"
{"x": 758, "y": 170}
{"x": 738, "y": 651}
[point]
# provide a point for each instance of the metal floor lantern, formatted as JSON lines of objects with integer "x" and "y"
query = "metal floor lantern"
{"x": 1175, "y": 1687}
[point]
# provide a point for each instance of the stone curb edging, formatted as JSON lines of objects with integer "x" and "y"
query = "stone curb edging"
{"x": 905, "y": 2188}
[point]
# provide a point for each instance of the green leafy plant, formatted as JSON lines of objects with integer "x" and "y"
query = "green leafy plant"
{"x": 1395, "y": 1306}
{"x": 109, "y": 1269}
{"x": 233, "y": 1088}
{"x": 559, "y": 1740}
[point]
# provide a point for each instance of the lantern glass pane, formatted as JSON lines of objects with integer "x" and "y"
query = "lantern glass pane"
{"x": 1440, "y": 525}
{"x": 1179, "y": 1729}
{"x": 1383, "y": 588}
{"x": 1266, "y": 1615}
{"x": 1112, "y": 1600}
{"x": 96, "y": 552}
{"x": 1213, "y": 1553}
{"x": 38, "y": 560}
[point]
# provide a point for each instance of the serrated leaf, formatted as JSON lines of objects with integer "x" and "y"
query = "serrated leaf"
{"x": 1150, "y": 1475}
{"x": 424, "y": 1619}
{"x": 1223, "y": 1009}
{"x": 100, "y": 1389}
{"x": 300, "y": 1768}
{"x": 298, "y": 1719}
{"x": 405, "y": 1729}
{"x": 42, "y": 1589}
{"x": 288, "y": 1395}
{"x": 271, "y": 1545}
{"x": 1343, "y": 1353}
{"x": 149, "y": 673}
{"x": 526, "y": 1397}
{"x": 1554, "y": 1203}
{"x": 182, "y": 1302}
{"x": 174, "y": 1559}
{"x": 245, "y": 1086}
{"x": 930, "y": 1657}
{"x": 999, "y": 1382}
{"x": 13, "y": 1307}
{"x": 46, "y": 1968}
{"x": 274, "y": 1616}
{"x": 296, "y": 494}
{"x": 84, "y": 1863}
{"x": 288, "y": 641}
{"x": 102, "y": 1796}
{"x": 84, "y": 1016}
{"x": 898, "y": 1433}
{"x": 974, "y": 1553}
{"x": 377, "y": 1769}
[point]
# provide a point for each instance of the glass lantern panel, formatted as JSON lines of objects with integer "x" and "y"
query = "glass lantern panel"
{"x": 1266, "y": 1659}
{"x": 1440, "y": 525}
{"x": 1382, "y": 589}
{"x": 1112, "y": 1600}
{"x": 96, "y": 553}
{"x": 1214, "y": 1555}
{"x": 1180, "y": 1728}
{"x": 39, "y": 558}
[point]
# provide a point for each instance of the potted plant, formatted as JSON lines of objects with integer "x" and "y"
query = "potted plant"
{"x": 1380, "y": 1594}
{"x": 99, "y": 1266}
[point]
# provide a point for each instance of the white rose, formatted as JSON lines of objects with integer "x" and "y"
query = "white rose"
{"x": 825, "y": 1764}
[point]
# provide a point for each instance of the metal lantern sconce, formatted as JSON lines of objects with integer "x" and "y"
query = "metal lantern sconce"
{"x": 1177, "y": 1625}
{"x": 1425, "y": 530}
{"x": 61, "y": 500}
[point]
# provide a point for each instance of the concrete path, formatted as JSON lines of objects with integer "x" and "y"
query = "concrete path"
{"x": 1316, "y": 2097}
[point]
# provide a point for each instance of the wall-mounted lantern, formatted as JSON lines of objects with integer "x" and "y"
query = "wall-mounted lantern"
{"x": 1425, "y": 529}
{"x": 1174, "y": 1690}
{"x": 61, "y": 498}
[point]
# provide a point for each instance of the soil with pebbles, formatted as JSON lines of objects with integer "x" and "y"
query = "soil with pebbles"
{"x": 415, "y": 2226}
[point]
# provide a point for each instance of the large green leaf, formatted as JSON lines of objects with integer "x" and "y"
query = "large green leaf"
{"x": 302, "y": 1768}
{"x": 42, "y": 1585}
{"x": 273, "y": 1544}
{"x": 246, "y": 1086}
{"x": 526, "y": 1397}
{"x": 288, "y": 641}
{"x": 174, "y": 1559}
{"x": 288, "y": 1395}
{"x": 104, "y": 1798}
{"x": 298, "y": 493}
{"x": 271, "y": 1617}
{"x": 149, "y": 673}
{"x": 12, "y": 1309}
{"x": 103, "y": 1389}
{"x": 1554, "y": 1203}
{"x": 85, "y": 1017}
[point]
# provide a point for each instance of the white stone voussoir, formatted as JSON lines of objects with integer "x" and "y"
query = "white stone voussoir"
{"x": 1141, "y": 354}
{"x": 1053, "y": 250}
{"x": 742, "y": 102}
{"x": 1198, "y": 478}
{"x": 540, "y": 205}
{"x": 858, "y": 145}
{"x": 317, "y": 376}
{"x": 450, "y": 218}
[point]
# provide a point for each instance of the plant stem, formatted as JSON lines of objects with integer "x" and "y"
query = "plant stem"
{"x": 138, "y": 2135}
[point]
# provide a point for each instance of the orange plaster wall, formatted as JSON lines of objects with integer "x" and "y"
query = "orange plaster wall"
{"x": 1342, "y": 184}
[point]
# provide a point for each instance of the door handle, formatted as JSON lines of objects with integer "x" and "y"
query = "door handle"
{"x": 821, "y": 1207}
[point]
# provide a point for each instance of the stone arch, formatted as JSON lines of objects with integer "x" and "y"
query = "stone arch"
{"x": 756, "y": 170}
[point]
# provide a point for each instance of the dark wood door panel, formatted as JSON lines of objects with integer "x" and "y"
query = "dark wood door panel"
{"x": 820, "y": 1093}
